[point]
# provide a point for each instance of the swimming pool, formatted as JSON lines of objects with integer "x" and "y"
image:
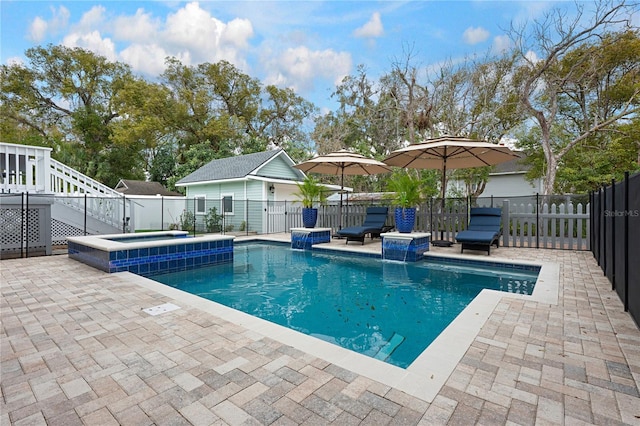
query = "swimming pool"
{"x": 387, "y": 310}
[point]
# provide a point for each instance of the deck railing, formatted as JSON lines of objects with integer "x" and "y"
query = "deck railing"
{"x": 23, "y": 168}
{"x": 68, "y": 181}
{"x": 82, "y": 193}
{"x": 30, "y": 169}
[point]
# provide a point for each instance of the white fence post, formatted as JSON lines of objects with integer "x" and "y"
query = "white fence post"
{"x": 506, "y": 223}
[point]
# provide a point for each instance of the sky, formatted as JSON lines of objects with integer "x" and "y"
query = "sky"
{"x": 309, "y": 46}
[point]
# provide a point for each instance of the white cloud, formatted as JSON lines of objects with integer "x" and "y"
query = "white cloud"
{"x": 146, "y": 58}
{"x": 501, "y": 44}
{"x": 373, "y": 28}
{"x": 15, "y": 60}
{"x": 41, "y": 28}
{"x": 205, "y": 37}
{"x": 475, "y": 35}
{"x": 532, "y": 57}
{"x": 92, "y": 41}
{"x": 298, "y": 67}
{"x": 237, "y": 33}
{"x": 92, "y": 19}
{"x": 38, "y": 29}
{"x": 141, "y": 27}
{"x": 143, "y": 41}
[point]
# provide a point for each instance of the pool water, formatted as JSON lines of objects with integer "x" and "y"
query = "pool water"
{"x": 384, "y": 309}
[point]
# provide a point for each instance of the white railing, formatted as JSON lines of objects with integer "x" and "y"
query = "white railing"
{"x": 68, "y": 181}
{"x": 30, "y": 169}
{"x": 109, "y": 210}
{"x": 23, "y": 168}
{"x": 82, "y": 193}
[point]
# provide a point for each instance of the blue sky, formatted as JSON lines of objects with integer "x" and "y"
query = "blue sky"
{"x": 306, "y": 45}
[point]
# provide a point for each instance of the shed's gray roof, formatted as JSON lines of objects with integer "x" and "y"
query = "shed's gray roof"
{"x": 513, "y": 166}
{"x": 229, "y": 168}
{"x": 139, "y": 187}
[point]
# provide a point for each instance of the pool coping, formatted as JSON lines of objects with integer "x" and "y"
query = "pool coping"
{"x": 104, "y": 243}
{"x": 425, "y": 377}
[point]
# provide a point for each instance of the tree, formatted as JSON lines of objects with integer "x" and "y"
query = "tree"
{"x": 200, "y": 114}
{"x": 144, "y": 126}
{"x": 194, "y": 157}
{"x": 363, "y": 123}
{"x": 474, "y": 179}
{"x": 218, "y": 108}
{"x": 411, "y": 98}
{"x": 475, "y": 99}
{"x": 281, "y": 122}
{"x": 585, "y": 83}
{"x": 65, "y": 97}
{"x": 162, "y": 164}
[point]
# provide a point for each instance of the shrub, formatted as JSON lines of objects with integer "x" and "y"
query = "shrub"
{"x": 212, "y": 220}
{"x": 187, "y": 221}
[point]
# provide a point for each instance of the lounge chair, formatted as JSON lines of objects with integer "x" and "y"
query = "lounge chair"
{"x": 483, "y": 231}
{"x": 374, "y": 224}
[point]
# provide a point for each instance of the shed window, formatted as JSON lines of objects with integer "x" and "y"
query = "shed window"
{"x": 227, "y": 204}
{"x": 200, "y": 202}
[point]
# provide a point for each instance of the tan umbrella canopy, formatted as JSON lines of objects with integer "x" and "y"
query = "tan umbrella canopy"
{"x": 343, "y": 163}
{"x": 450, "y": 152}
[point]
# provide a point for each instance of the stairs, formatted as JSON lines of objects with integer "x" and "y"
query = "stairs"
{"x": 81, "y": 204}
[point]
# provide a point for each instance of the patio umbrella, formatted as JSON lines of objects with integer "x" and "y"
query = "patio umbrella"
{"x": 343, "y": 163}
{"x": 450, "y": 152}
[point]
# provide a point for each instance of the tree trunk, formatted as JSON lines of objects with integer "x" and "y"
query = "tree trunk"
{"x": 550, "y": 175}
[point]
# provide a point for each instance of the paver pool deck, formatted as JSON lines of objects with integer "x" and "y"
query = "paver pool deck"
{"x": 77, "y": 348}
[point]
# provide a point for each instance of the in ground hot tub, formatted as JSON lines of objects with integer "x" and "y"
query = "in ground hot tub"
{"x": 151, "y": 252}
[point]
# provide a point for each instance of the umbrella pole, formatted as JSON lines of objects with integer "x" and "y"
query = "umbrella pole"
{"x": 444, "y": 181}
{"x": 441, "y": 242}
{"x": 341, "y": 190}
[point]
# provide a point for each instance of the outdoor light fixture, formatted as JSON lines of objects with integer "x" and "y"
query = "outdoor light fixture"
{"x": 272, "y": 188}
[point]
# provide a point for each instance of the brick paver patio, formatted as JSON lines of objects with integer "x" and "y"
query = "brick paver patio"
{"x": 78, "y": 349}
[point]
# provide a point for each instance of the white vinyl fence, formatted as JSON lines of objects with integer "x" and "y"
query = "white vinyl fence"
{"x": 555, "y": 226}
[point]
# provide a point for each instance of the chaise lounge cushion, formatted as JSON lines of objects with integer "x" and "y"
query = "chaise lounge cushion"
{"x": 373, "y": 224}
{"x": 476, "y": 236}
{"x": 483, "y": 231}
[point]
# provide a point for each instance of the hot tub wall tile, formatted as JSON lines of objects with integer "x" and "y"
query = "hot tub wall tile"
{"x": 145, "y": 261}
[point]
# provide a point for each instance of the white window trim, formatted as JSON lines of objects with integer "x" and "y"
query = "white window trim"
{"x": 196, "y": 198}
{"x": 222, "y": 197}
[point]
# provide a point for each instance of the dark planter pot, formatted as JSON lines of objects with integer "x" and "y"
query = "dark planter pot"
{"x": 309, "y": 217}
{"x": 405, "y": 219}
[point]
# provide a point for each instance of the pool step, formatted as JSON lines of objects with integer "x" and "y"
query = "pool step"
{"x": 386, "y": 351}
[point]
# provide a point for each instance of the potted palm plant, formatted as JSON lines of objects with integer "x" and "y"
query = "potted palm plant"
{"x": 310, "y": 191}
{"x": 407, "y": 196}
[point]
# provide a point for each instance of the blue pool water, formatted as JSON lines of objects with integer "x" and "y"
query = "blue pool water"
{"x": 388, "y": 310}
